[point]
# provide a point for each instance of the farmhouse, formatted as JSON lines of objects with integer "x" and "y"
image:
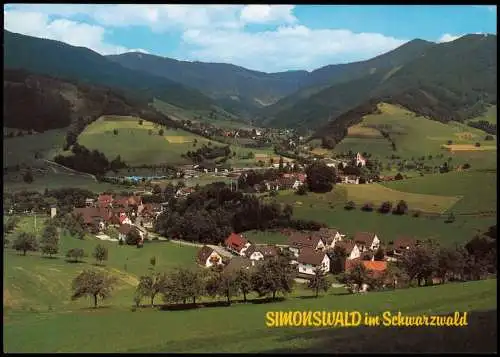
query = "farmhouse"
{"x": 184, "y": 192}
{"x": 125, "y": 229}
{"x": 208, "y": 257}
{"x": 255, "y": 252}
{"x": 298, "y": 241}
{"x": 400, "y": 246}
{"x": 237, "y": 244}
{"x": 351, "y": 179}
{"x": 351, "y": 248}
{"x": 241, "y": 263}
{"x": 89, "y": 202}
{"x": 375, "y": 269}
{"x": 309, "y": 260}
{"x": 94, "y": 218}
{"x": 367, "y": 241}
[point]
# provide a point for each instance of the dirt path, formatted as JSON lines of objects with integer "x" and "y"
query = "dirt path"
{"x": 68, "y": 169}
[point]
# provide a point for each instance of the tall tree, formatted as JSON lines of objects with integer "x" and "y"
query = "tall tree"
{"x": 420, "y": 263}
{"x": 275, "y": 275}
{"x": 94, "y": 284}
{"x": 25, "y": 242}
{"x": 75, "y": 254}
{"x": 320, "y": 178}
{"x": 355, "y": 278}
{"x": 318, "y": 282}
{"x": 49, "y": 242}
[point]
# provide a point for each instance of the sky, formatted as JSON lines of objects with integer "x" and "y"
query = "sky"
{"x": 268, "y": 38}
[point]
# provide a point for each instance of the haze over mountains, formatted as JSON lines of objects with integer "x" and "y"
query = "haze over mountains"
{"x": 447, "y": 81}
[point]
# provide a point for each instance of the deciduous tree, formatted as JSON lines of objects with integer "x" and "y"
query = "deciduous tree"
{"x": 318, "y": 282}
{"x": 25, "y": 242}
{"x": 94, "y": 284}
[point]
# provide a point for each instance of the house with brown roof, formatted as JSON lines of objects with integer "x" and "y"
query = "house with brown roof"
{"x": 125, "y": 229}
{"x": 237, "y": 244}
{"x": 105, "y": 200}
{"x": 330, "y": 236}
{"x": 298, "y": 241}
{"x": 261, "y": 252}
{"x": 351, "y": 248}
{"x": 367, "y": 241}
{"x": 208, "y": 257}
{"x": 94, "y": 218}
{"x": 309, "y": 260}
{"x": 241, "y": 263}
{"x": 400, "y": 246}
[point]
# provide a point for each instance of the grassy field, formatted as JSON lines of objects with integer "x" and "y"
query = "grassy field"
{"x": 490, "y": 116}
{"x": 21, "y": 150}
{"x": 40, "y": 317}
{"x": 117, "y": 329}
{"x": 478, "y": 189}
{"x": 329, "y": 209}
{"x": 377, "y": 194}
{"x": 417, "y": 136}
{"x": 268, "y": 237}
{"x": 135, "y": 146}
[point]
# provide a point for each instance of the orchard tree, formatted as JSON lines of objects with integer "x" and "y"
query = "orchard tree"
{"x": 152, "y": 285}
{"x": 75, "y": 254}
{"x": 49, "y": 242}
{"x": 100, "y": 253}
{"x": 243, "y": 281}
{"x": 275, "y": 275}
{"x": 318, "y": 282}
{"x": 94, "y": 284}
{"x": 25, "y": 242}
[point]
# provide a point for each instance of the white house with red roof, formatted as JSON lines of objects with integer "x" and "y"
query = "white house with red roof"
{"x": 237, "y": 244}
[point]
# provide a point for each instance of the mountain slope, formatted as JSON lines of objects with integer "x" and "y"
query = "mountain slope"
{"x": 327, "y": 76}
{"x": 39, "y": 102}
{"x": 450, "y": 81}
{"x": 78, "y": 63}
{"x": 218, "y": 80}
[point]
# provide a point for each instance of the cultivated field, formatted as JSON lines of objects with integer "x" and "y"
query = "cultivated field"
{"x": 468, "y": 147}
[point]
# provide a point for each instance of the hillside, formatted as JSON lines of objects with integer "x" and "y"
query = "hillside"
{"x": 225, "y": 82}
{"x": 450, "y": 81}
{"x": 78, "y": 63}
{"x": 331, "y": 75}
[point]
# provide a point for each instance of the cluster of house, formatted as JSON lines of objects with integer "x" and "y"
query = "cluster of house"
{"x": 286, "y": 181}
{"x": 359, "y": 160}
{"x": 125, "y": 213}
{"x": 311, "y": 251}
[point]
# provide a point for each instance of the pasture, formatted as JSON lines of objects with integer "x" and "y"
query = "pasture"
{"x": 490, "y": 115}
{"x": 329, "y": 209}
{"x": 117, "y": 329}
{"x": 141, "y": 144}
{"x": 418, "y": 136}
{"x": 477, "y": 188}
{"x": 377, "y": 194}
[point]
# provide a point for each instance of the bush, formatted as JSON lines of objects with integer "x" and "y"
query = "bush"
{"x": 477, "y": 145}
{"x": 466, "y": 166}
{"x": 350, "y": 205}
{"x": 417, "y": 213}
{"x": 401, "y": 208}
{"x": 489, "y": 138}
{"x": 367, "y": 207}
{"x": 115, "y": 132}
{"x": 449, "y": 142}
{"x": 302, "y": 190}
{"x": 398, "y": 176}
{"x": 160, "y": 132}
{"x": 385, "y": 207}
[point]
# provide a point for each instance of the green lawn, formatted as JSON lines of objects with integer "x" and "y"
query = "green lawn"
{"x": 268, "y": 237}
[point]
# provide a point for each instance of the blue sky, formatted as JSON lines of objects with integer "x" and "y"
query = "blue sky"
{"x": 269, "y": 38}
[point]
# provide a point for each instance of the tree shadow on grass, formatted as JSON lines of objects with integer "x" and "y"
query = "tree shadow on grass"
{"x": 49, "y": 257}
{"x": 211, "y": 304}
{"x": 307, "y": 297}
{"x": 74, "y": 261}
